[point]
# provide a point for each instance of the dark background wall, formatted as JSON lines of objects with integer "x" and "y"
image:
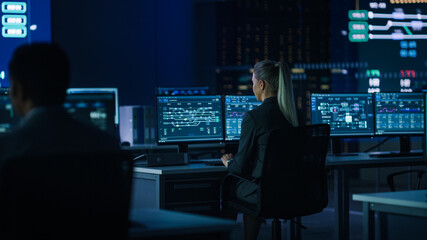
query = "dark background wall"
{"x": 134, "y": 45}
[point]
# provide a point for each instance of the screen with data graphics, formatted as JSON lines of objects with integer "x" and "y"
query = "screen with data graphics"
{"x": 399, "y": 113}
{"x": 186, "y": 119}
{"x": 22, "y": 22}
{"x": 235, "y": 107}
{"x": 97, "y": 108}
{"x": 391, "y": 38}
{"x": 8, "y": 118}
{"x": 349, "y": 114}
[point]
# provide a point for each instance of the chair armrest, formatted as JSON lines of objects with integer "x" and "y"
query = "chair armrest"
{"x": 241, "y": 178}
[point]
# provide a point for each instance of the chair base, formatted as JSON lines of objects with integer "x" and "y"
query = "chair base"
{"x": 293, "y": 229}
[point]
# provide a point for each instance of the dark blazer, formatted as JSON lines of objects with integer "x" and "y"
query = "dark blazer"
{"x": 51, "y": 130}
{"x": 256, "y": 126}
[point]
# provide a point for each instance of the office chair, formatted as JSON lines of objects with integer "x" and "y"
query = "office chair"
{"x": 390, "y": 178}
{"x": 68, "y": 196}
{"x": 293, "y": 182}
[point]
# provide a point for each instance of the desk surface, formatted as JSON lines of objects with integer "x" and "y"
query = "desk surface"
{"x": 181, "y": 169}
{"x": 358, "y": 160}
{"x": 171, "y": 147}
{"x": 364, "y": 160}
{"x": 148, "y": 222}
{"x": 416, "y": 199}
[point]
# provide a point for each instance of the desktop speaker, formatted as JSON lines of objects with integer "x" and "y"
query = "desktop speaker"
{"x": 165, "y": 159}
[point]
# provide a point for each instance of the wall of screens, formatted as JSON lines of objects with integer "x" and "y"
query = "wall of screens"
{"x": 369, "y": 114}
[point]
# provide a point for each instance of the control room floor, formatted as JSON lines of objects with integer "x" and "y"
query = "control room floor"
{"x": 322, "y": 225}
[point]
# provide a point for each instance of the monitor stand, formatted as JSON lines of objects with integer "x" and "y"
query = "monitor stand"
{"x": 336, "y": 148}
{"x": 405, "y": 150}
{"x": 183, "y": 149}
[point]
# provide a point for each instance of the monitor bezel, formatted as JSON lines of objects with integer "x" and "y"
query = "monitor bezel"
{"x": 188, "y": 142}
{"x": 207, "y": 88}
{"x": 347, "y": 135}
{"x": 397, "y": 134}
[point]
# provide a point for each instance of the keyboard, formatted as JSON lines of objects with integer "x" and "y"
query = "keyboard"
{"x": 396, "y": 154}
{"x": 210, "y": 161}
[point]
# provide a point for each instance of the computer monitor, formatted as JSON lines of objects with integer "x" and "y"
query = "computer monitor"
{"x": 189, "y": 119}
{"x": 100, "y": 90}
{"x": 235, "y": 107}
{"x": 8, "y": 118}
{"x": 348, "y": 114}
{"x": 97, "y": 108}
{"x": 178, "y": 91}
{"x": 23, "y": 22}
{"x": 399, "y": 113}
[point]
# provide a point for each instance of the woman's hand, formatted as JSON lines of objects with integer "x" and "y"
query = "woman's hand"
{"x": 226, "y": 157}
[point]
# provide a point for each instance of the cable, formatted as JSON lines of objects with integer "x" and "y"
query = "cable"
{"x": 377, "y": 145}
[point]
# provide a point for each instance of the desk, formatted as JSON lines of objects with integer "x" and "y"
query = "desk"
{"x": 164, "y": 224}
{"x": 411, "y": 203}
{"x": 194, "y": 188}
{"x": 340, "y": 164}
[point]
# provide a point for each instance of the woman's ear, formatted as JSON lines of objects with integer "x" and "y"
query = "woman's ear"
{"x": 262, "y": 84}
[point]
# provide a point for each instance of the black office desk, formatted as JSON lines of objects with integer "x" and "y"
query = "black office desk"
{"x": 340, "y": 165}
{"x": 194, "y": 188}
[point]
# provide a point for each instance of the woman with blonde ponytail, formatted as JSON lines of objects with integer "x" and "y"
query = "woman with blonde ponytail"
{"x": 271, "y": 85}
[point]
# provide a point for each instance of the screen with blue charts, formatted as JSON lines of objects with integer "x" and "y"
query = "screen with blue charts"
{"x": 348, "y": 114}
{"x": 235, "y": 107}
{"x": 97, "y": 108}
{"x": 8, "y": 118}
{"x": 187, "y": 119}
{"x": 23, "y": 21}
{"x": 399, "y": 113}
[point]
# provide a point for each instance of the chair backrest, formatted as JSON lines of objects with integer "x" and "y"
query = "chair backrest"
{"x": 294, "y": 179}
{"x": 66, "y": 196}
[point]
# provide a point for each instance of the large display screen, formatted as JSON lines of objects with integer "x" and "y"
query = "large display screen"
{"x": 391, "y": 38}
{"x": 22, "y": 22}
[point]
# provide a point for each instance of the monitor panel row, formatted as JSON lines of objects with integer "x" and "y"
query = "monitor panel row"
{"x": 365, "y": 114}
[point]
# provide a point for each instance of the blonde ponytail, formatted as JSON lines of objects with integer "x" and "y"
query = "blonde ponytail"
{"x": 285, "y": 95}
{"x": 278, "y": 76}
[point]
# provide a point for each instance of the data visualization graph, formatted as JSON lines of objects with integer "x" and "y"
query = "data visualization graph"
{"x": 22, "y": 22}
{"x": 184, "y": 119}
{"x": 396, "y": 25}
{"x": 391, "y": 38}
{"x": 8, "y": 118}
{"x": 235, "y": 108}
{"x": 399, "y": 113}
{"x": 347, "y": 114}
{"x": 97, "y": 108}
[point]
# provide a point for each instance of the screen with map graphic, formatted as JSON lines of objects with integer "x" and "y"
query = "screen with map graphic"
{"x": 235, "y": 107}
{"x": 187, "y": 119}
{"x": 391, "y": 41}
{"x": 399, "y": 113}
{"x": 348, "y": 114}
{"x": 22, "y": 22}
